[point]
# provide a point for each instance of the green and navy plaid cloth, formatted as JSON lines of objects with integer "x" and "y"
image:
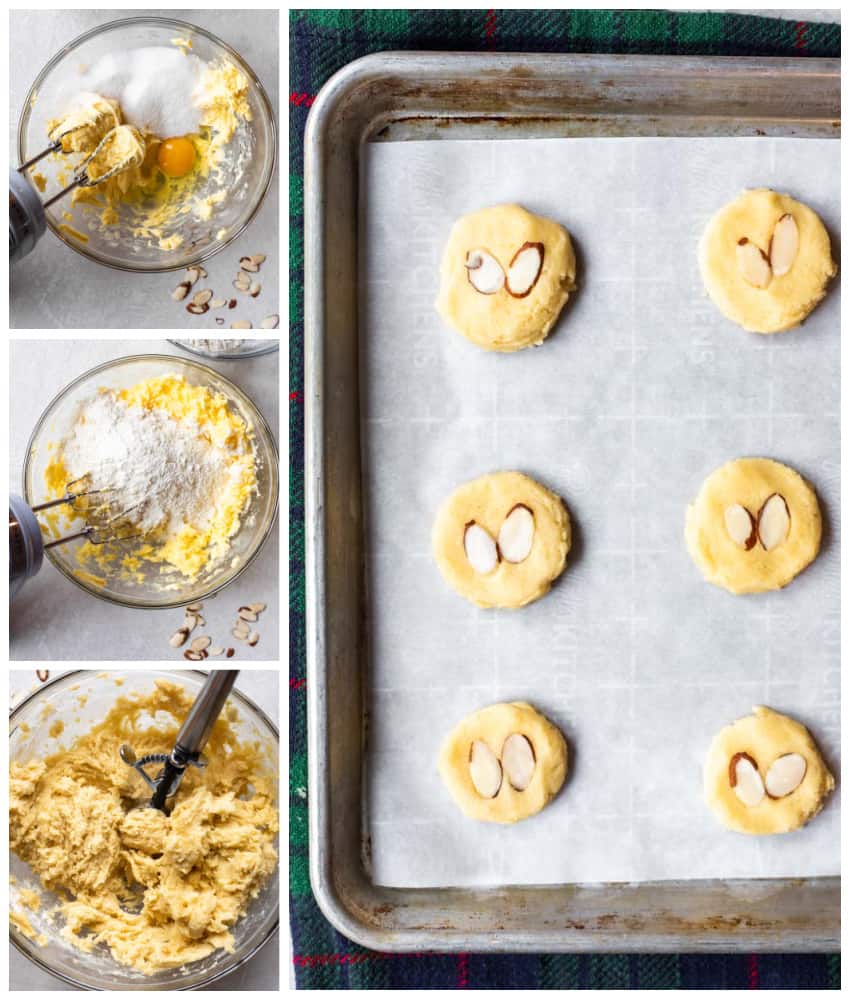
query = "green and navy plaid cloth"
{"x": 321, "y": 42}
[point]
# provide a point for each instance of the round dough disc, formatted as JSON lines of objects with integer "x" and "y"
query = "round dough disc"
{"x": 788, "y": 298}
{"x": 765, "y": 736}
{"x": 493, "y": 725}
{"x": 750, "y": 482}
{"x": 487, "y": 501}
{"x": 500, "y": 321}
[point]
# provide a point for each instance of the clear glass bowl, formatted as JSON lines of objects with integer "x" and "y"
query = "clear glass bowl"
{"x": 158, "y": 589}
{"x": 29, "y": 737}
{"x": 116, "y": 245}
{"x": 226, "y": 349}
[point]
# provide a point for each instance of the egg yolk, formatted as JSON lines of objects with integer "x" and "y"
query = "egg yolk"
{"x": 176, "y": 157}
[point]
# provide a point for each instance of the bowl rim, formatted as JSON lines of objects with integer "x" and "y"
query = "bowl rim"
{"x": 272, "y": 346}
{"x": 174, "y": 24}
{"x": 213, "y": 977}
{"x": 170, "y": 359}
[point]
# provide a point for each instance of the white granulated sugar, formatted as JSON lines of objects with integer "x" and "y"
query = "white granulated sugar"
{"x": 147, "y": 459}
{"x": 155, "y": 87}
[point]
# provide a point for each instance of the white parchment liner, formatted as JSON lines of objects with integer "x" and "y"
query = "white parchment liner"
{"x": 642, "y": 389}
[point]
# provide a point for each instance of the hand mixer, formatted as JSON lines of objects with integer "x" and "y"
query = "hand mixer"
{"x": 26, "y": 546}
{"x": 27, "y": 218}
{"x": 190, "y": 741}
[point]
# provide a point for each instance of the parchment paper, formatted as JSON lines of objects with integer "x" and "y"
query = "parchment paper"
{"x": 642, "y": 390}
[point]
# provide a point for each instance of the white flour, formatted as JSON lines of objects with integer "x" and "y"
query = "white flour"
{"x": 147, "y": 458}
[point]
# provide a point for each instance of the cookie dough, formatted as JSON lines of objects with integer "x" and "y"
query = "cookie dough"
{"x": 764, "y": 774}
{"x": 766, "y": 261}
{"x": 505, "y": 277}
{"x": 501, "y": 540}
{"x": 158, "y": 890}
{"x": 504, "y": 763}
{"x": 754, "y": 525}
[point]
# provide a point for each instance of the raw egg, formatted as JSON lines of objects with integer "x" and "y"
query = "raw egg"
{"x": 176, "y": 157}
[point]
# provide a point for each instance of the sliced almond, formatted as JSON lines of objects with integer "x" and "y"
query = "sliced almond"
{"x": 740, "y": 526}
{"x": 231, "y": 304}
{"x": 202, "y": 297}
{"x": 516, "y": 536}
{"x": 256, "y": 608}
{"x": 179, "y": 637}
{"x": 255, "y": 289}
{"x": 197, "y": 310}
{"x": 258, "y": 258}
{"x": 518, "y": 761}
{"x": 181, "y": 291}
{"x": 484, "y": 272}
{"x": 239, "y": 635}
{"x": 230, "y": 652}
{"x": 270, "y": 322}
{"x": 774, "y": 522}
{"x": 190, "y": 654}
{"x": 480, "y": 548}
{"x": 784, "y": 245}
{"x": 241, "y": 324}
{"x": 193, "y": 273}
{"x": 485, "y": 771}
{"x": 218, "y": 303}
{"x": 247, "y": 615}
{"x": 219, "y": 321}
{"x": 201, "y": 643}
{"x": 745, "y": 779}
{"x": 253, "y": 639}
{"x": 217, "y": 651}
{"x": 242, "y": 283}
{"x": 785, "y": 775}
{"x": 249, "y": 264}
{"x": 241, "y": 629}
{"x": 753, "y": 264}
{"x": 197, "y": 606}
{"x": 525, "y": 269}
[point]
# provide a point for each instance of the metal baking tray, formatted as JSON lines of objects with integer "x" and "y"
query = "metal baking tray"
{"x": 392, "y": 97}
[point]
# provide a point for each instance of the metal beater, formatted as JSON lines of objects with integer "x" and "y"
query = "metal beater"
{"x": 27, "y": 219}
{"x": 103, "y": 525}
{"x": 190, "y": 741}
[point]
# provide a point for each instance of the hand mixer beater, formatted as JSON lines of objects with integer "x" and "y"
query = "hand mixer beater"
{"x": 117, "y": 147}
{"x": 103, "y": 525}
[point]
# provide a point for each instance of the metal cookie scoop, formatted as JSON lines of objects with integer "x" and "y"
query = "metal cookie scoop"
{"x": 190, "y": 741}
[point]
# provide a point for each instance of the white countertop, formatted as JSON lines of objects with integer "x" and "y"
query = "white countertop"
{"x": 51, "y": 619}
{"x": 262, "y": 971}
{"x": 56, "y": 288}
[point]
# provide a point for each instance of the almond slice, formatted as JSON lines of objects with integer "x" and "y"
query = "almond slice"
{"x": 774, "y": 522}
{"x": 201, "y": 643}
{"x": 753, "y": 264}
{"x": 249, "y": 264}
{"x": 181, "y": 291}
{"x": 480, "y": 548}
{"x": 485, "y": 771}
{"x": 745, "y": 779}
{"x": 270, "y": 322}
{"x": 484, "y": 272}
{"x": 784, "y": 245}
{"x": 525, "y": 269}
{"x": 257, "y": 608}
{"x": 242, "y": 324}
{"x": 740, "y": 526}
{"x": 179, "y": 637}
{"x": 785, "y": 775}
{"x": 516, "y": 536}
{"x": 518, "y": 761}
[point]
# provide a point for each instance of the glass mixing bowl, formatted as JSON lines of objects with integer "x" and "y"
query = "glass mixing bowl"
{"x": 158, "y": 589}
{"x": 116, "y": 245}
{"x": 29, "y": 737}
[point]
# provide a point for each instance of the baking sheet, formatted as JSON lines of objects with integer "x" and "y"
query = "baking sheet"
{"x": 642, "y": 389}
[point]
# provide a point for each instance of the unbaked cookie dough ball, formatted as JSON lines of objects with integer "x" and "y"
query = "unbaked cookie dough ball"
{"x": 505, "y": 277}
{"x": 504, "y": 763}
{"x": 754, "y": 525}
{"x": 766, "y": 261}
{"x": 764, "y": 774}
{"x": 501, "y": 540}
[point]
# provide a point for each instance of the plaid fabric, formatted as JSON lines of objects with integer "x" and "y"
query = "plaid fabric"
{"x": 321, "y": 41}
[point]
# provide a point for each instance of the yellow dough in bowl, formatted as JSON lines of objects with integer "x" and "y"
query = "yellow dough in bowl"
{"x": 505, "y": 277}
{"x": 501, "y": 540}
{"x": 766, "y": 261}
{"x": 504, "y": 763}
{"x": 754, "y": 525}
{"x": 764, "y": 774}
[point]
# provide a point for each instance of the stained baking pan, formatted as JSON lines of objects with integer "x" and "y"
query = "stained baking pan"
{"x": 395, "y": 97}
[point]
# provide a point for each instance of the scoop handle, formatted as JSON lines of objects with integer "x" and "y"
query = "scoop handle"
{"x": 206, "y": 709}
